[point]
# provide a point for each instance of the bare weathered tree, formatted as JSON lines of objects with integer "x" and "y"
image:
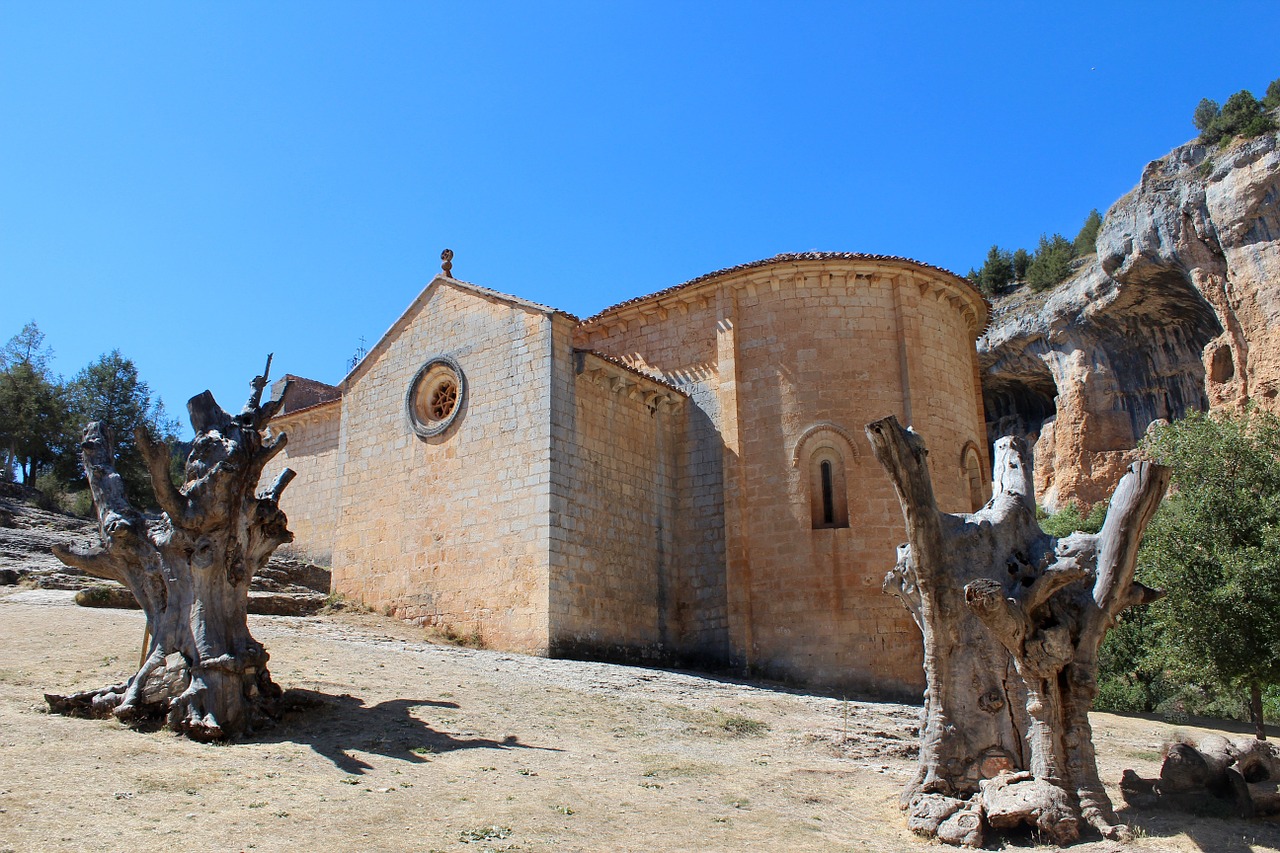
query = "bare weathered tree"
{"x": 202, "y": 673}
{"x": 1012, "y": 620}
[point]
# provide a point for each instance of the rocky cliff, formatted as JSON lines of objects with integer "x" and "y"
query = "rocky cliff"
{"x": 1179, "y": 310}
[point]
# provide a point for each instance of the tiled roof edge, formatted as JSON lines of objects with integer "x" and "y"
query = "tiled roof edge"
{"x": 782, "y": 259}
{"x": 282, "y": 415}
{"x": 622, "y": 364}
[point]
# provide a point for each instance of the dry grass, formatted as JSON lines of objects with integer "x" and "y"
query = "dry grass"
{"x": 392, "y": 744}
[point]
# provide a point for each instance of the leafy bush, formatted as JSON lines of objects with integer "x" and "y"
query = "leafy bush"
{"x": 1068, "y": 520}
{"x": 1214, "y": 547}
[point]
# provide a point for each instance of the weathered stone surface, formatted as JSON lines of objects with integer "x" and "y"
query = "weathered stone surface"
{"x": 261, "y": 602}
{"x": 267, "y": 603}
{"x": 1178, "y": 311}
{"x": 112, "y": 596}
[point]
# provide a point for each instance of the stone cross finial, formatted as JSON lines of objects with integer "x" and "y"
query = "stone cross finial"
{"x": 446, "y": 262}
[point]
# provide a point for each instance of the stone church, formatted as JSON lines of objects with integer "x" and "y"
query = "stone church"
{"x": 679, "y": 479}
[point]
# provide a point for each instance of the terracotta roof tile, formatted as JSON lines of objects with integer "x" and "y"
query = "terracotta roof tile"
{"x": 782, "y": 259}
{"x": 622, "y": 364}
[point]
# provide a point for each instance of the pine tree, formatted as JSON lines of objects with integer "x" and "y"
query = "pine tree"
{"x": 1086, "y": 242}
{"x": 1206, "y": 111}
{"x": 110, "y": 391}
{"x": 996, "y": 272}
{"x": 1052, "y": 262}
{"x": 33, "y": 411}
{"x": 1021, "y": 260}
{"x": 1272, "y": 99}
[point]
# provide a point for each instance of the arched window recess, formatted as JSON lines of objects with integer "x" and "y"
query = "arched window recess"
{"x": 825, "y": 451}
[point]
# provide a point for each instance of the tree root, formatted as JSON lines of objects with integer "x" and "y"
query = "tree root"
{"x": 1005, "y": 803}
{"x": 170, "y": 695}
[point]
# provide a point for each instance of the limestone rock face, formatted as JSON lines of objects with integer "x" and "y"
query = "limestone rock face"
{"x": 1179, "y": 310}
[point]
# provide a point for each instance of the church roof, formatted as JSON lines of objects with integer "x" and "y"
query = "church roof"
{"x": 619, "y": 363}
{"x": 792, "y": 257}
{"x": 466, "y": 286}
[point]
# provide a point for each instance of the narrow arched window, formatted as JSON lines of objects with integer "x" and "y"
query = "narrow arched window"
{"x": 974, "y": 479}
{"x": 828, "y": 500}
{"x": 828, "y": 495}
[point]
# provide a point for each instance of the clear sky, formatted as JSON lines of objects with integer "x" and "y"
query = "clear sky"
{"x": 198, "y": 184}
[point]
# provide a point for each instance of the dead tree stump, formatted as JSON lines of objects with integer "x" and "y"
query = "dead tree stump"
{"x": 1238, "y": 777}
{"x": 202, "y": 673}
{"x": 1012, "y": 620}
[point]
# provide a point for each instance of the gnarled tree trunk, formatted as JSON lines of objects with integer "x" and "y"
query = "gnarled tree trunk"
{"x": 1012, "y": 620}
{"x": 202, "y": 673}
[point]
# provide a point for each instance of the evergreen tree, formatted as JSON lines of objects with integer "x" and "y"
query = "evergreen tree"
{"x": 1021, "y": 260}
{"x": 1052, "y": 262}
{"x": 1086, "y": 242}
{"x": 996, "y": 272}
{"x": 1206, "y": 111}
{"x": 1241, "y": 115}
{"x": 32, "y": 417}
{"x": 33, "y": 412}
{"x": 1272, "y": 99}
{"x": 27, "y": 347}
{"x": 109, "y": 390}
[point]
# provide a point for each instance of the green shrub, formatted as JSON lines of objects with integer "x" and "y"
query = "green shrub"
{"x": 1068, "y": 520}
{"x": 81, "y": 503}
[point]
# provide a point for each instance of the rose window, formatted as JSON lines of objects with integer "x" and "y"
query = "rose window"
{"x": 435, "y": 396}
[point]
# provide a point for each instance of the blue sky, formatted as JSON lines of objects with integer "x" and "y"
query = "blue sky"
{"x": 199, "y": 184}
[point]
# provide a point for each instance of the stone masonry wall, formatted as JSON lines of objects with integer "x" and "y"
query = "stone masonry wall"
{"x": 677, "y": 341}
{"x": 946, "y": 391}
{"x": 311, "y": 500}
{"x": 451, "y": 530}
{"x": 614, "y": 564}
{"x": 804, "y": 356}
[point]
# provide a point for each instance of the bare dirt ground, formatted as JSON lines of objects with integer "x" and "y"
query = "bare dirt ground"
{"x": 398, "y": 744}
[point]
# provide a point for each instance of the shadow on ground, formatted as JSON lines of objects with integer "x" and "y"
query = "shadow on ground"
{"x": 339, "y": 726}
{"x": 1211, "y": 834}
{"x": 1222, "y": 725}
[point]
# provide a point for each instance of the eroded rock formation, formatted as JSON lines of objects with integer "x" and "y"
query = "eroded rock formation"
{"x": 1178, "y": 311}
